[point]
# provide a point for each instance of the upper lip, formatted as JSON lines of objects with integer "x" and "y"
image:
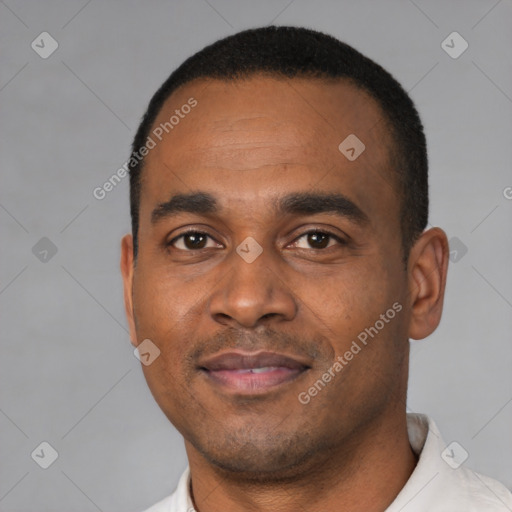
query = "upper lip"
{"x": 243, "y": 361}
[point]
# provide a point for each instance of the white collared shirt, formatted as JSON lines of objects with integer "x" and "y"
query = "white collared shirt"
{"x": 439, "y": 482}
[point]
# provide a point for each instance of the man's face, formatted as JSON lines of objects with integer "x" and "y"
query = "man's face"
{"x": 261, "y": 150}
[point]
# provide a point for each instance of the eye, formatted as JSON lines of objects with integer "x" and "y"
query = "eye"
{"x": 318, "y": 240}
{"x": 192, "y": 240}
{"x": 198, "y": 240}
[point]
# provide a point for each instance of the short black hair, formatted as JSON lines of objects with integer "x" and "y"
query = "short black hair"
{"x": 290, "y": 52}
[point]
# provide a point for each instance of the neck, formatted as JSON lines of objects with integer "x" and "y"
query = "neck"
{"x": 365, "y": 474}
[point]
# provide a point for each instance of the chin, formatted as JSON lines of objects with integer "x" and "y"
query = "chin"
{"x": 280, "y": 458}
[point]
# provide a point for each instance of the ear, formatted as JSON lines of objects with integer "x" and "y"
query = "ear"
{"x": 127, "y": 273}
{"x": 427, "y": 269}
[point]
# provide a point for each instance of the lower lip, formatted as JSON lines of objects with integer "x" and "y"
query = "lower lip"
{"x": 248, "y": 382}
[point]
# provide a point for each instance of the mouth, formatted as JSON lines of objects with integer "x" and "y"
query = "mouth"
{"x": 254, "y": 373}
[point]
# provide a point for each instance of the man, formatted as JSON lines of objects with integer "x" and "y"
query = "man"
{"x": 277, "y": 267}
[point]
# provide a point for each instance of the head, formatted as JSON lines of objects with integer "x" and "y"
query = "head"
{"x": 293, "y": 247}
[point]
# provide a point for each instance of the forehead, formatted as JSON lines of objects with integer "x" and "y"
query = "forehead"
{"x": 248, "y": 138}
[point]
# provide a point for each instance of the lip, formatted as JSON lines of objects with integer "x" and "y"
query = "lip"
{"x": 253, "y": 373}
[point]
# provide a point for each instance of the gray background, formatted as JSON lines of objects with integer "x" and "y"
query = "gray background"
{"x": 68, "y": 375}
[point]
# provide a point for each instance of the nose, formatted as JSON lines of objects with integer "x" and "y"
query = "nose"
{"x": 252, "y": 294}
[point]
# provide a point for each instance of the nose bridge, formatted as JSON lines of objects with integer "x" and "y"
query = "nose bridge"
{"x": 252, "y": 289}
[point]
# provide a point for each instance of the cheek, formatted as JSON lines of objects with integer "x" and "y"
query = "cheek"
{"x": 352, "y": 304}
{"x": 158, "y": 300}
{"x": 160, "y": 314}
{"x": 161, "y": 311}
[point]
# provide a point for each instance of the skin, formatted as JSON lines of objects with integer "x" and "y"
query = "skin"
{"x": 248, "y": 143}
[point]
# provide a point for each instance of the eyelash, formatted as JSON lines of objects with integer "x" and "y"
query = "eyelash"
{"x": 340, "y": 241}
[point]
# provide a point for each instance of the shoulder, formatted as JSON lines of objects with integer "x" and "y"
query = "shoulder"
{"x": 480, "y": 491}
{"x": 441, "y": 482}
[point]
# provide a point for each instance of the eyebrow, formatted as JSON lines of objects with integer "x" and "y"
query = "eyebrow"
{"x": 301, "y": 203}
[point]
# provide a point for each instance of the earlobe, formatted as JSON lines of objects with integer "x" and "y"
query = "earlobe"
{"x": 127, "y": 270}
{"x": 427, "y": 270}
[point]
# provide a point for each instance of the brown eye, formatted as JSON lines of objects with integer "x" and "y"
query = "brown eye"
{"x": 191, "y": 241}
{"x": 317, "y": 240}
